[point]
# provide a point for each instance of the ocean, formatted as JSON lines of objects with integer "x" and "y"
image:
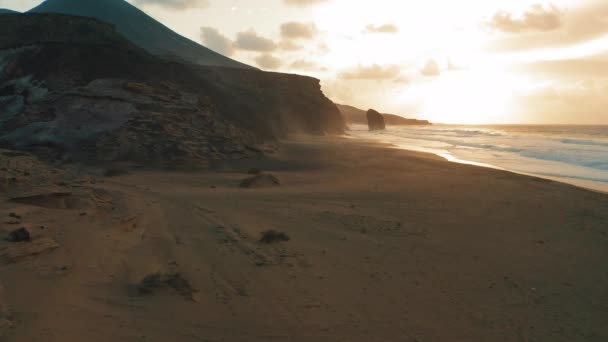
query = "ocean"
{"x": 572, "y": 154}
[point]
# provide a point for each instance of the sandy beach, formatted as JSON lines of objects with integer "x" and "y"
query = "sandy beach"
{"x": 385, "y": 245}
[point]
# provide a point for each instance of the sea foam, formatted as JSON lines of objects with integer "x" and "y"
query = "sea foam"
{"x": 575, "y": 152}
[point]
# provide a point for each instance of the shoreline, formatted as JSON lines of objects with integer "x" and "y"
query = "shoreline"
{"x": 600, "y": 187}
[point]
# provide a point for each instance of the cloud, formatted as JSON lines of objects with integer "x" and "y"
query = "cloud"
{"x": 582, "y": 23}
{"x": 386, "y": 28}
{"x": 454, "y": 67}
{"x": 174, "y": 4}
{"x": 289, "y": 45}
{"x": 338, "y": 91}
{"x": 431, "y": 68}
{"x": 217, "y": 42}
{"x": 537, "y": 18}
{"x": 401, "y": 80}
{"x": 371, "y": 72}
{"x": 556, "y": 104}
{"x": 296, "y": 30}
{"x": 250, "y": 40}
{"x": 267, "y": 61}
{"x": 323, "y": 49}
{"x": 566, "y": 70}
{"x": 305, "y": 65}
{"x": 303, "y": 3}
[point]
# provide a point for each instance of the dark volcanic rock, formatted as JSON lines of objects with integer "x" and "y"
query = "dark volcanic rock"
{"x": 375, "y": 121}
{"x": 73, "y": 88}
{"x": 19, "y": 235}
{"x": 272, "y": 236}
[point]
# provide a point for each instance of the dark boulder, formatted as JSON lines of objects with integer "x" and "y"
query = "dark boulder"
{"x": 375, "y": 121}
{"x": 19, "y": 235}
{"x": 272, "y": 236}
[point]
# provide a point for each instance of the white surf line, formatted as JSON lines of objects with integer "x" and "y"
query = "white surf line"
{"x": 600, "y": 187}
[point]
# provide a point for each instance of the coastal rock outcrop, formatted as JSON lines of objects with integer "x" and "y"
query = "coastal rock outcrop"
{"x": 356, "y": 116}
{"x": 94, "y": 96}
{"x": 375, "y": 121}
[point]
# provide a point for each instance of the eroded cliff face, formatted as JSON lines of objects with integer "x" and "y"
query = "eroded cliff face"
{"x": 73, "y": 88}
{"x": 274, "y": 104}
{"x": 112, "y": 119}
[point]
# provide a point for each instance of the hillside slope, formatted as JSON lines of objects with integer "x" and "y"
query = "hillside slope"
{"x": 94, "y": 96}
{"x": 140, "y": 29}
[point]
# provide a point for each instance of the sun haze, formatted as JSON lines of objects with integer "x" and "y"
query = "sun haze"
{"x": 521, "y": 61}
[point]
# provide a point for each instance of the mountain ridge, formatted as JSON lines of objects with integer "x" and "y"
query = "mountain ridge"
{"x": 141, "y": 29}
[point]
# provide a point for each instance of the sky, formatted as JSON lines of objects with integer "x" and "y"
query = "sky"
{"x": 466, "y": 61}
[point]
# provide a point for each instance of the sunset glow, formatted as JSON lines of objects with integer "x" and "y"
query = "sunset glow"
{"x": 446, "y": 61}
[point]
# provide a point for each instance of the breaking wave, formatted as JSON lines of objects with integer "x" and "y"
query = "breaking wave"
{"x": 579, "y": 152}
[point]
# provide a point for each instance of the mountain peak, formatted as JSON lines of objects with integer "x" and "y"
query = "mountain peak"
{"x": 7, "y": 11}
{"x": 141, "y": 29}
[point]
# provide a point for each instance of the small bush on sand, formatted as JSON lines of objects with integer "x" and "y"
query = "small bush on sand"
{"x": 157, "y": 281}
{"x": 272, "y": 236}
{"x": 254, "y": 171}
{"x": 259, "y": 181}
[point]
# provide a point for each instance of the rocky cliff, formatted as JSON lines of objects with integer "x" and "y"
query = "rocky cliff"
{"x": 73, "y": 87}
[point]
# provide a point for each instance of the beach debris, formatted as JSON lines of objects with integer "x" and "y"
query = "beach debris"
{"x": 254, "y": 171}
{"x": 114, "y": 172}
{"x": 262, "y": 180}
{"x": 22, "y": 251}
{"x": 157, "y": 281}
{"x": 19, "y": 235}
{"x": 272, "y": 236}
{"x": 14, "y": 215}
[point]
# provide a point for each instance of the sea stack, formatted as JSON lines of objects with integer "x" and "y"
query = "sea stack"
{"x": 375, "y": 121}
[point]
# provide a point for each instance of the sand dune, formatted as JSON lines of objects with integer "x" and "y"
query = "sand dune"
{"x": 385, "y": 245}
